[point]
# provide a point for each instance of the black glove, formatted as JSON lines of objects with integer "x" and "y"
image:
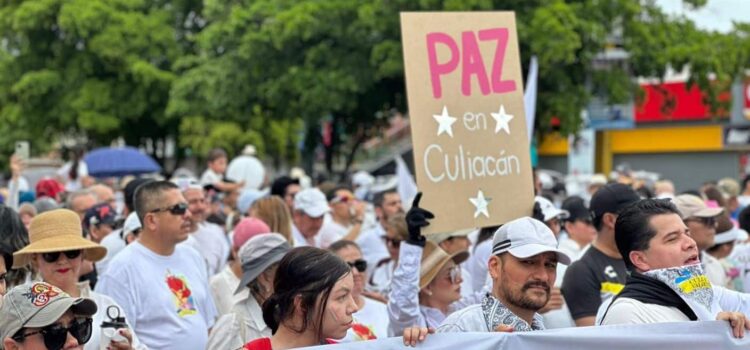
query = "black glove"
{"x": 416, "y": 218}
{"x": 538, "y": 212}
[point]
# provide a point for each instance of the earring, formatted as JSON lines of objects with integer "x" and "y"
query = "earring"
{"x": 428, "y": 292}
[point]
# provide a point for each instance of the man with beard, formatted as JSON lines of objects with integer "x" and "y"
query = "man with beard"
{"x": 667, "y": 282}
{"x": 523, "y": 269}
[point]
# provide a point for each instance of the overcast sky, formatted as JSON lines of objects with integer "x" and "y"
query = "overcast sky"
{"x": 716, "y": 15}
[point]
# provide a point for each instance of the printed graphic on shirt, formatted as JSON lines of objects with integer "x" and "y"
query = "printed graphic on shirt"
{"x": 608, "y": 288}
{"x": 40, "y": 294}
{"x": 183, "y": 297}
{"x": 363, "y": 332}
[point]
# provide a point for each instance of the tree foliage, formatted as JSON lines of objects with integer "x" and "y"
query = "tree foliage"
{"x": 229, "y": 72}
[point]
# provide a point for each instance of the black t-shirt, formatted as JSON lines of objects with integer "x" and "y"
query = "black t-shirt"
{"x": 591, "y": 280}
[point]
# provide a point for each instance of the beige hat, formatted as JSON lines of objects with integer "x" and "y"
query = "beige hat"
{"x": 691, "y": 206}
{"x": 433, "y": 260}
{"x": 439, "y": 237}
{"x": 729, "y": 187}
{"x": 57, "y": 230}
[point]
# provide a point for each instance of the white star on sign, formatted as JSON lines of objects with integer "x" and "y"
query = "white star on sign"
{"x": 502, "y": 120}
{"x": 480, "y": 203}
{"x": 444, "y": 122}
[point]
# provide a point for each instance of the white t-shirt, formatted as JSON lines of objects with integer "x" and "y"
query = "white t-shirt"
{"x": 331, "y": 231}
{"x": 631, "y": 311}
{"x": 166, "y": 297}
{"x": 213, "y": 245}
{"x": 301, "y": 241}
{"x": 372, "y": 245}
{"x": 370, "y": 322}
{"x": 223, "y": 286}
{"x": 64, "y": 173}
{"x": 209, "y": 177}
{"x": 114, "y": 244}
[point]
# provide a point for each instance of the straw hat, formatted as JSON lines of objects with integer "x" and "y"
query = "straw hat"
{"x": 433, "y": 260}
{"x": 57, "y": 230}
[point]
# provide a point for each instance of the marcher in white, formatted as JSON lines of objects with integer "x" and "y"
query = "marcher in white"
{"x": 259, "y": 256}
{"x": 224, "y": 284}
{"x": 161, "y": 284}
{"x": 523, "y": 268}
{"x": 666, "y": 282}
{"x": 310, "y": 206}
{"x": 57, "y": 250}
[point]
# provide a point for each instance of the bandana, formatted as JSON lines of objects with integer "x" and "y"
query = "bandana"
{"x": 692, "y": 285}
{"x": 495, "y": 314}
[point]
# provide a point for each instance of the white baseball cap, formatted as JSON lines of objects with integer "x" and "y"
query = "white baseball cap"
{"x": 549, "y": 210}
{"x": 312, "y": 202}
{"x": 526, "y": 237}
{"x": 131, "y": 224}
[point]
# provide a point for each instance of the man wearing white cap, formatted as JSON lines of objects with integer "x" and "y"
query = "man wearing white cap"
{"x": 552, "y": 215}
{"x": 310, "y": 206}
{"x": 523, "y": 268}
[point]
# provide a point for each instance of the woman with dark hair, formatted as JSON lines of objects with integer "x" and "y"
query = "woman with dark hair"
{"x": 311, "y": 302}
{"x": 14, "y": 237}
{"x": 74, "y": 171}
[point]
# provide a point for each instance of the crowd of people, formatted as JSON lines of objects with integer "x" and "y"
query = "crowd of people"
{"x": 205, "y": 263}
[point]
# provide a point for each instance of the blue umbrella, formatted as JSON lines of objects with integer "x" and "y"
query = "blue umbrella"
{"x": 117, "y": 162}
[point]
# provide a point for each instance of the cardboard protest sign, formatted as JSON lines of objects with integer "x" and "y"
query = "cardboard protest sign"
{"x": 465, "y": 94}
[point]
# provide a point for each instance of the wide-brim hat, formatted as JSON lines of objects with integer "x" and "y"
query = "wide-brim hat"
{"x": 57, "y": 230}
{"x": 433, "y": 260}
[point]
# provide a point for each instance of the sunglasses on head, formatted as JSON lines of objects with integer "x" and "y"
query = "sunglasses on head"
{"x": 177, "y": 209}
{"x": 392, "y": 242}
{"x": 52, "y": 257}
{"x": 359, "y": 264}
{"x": 55, "y": 335}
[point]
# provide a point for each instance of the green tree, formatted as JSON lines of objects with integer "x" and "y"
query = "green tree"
{"x": 88, "y": 67}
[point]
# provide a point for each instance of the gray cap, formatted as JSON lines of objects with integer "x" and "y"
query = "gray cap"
{"x": 36, "y": 305}
{"x": 258, "y": 253}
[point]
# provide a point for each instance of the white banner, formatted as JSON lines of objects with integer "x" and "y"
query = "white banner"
{"x": 711, "y": 335}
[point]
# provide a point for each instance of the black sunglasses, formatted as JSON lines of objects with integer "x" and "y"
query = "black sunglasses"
{"x": 55, "y": 335}
{"x": 360, "y": 265}
{"x": 52, "y": 257}
{"x": 177, "y": 209}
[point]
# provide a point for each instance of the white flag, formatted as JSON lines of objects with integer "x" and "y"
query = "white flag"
{"x": 405, "y": 186}
{"x": 529, "y": 97}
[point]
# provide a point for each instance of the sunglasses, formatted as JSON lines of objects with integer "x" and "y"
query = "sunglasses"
{"x": 360, "y": 265}
{"x": 177, "y": 209}
{"x": 708, "y": 222}
{"x": 342, "y": 199}
{"x": 454, "y": 274}
{"x": 392, "y": 242}
{"x": 52, "y": 257}
{"x": 55, "y": 335}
